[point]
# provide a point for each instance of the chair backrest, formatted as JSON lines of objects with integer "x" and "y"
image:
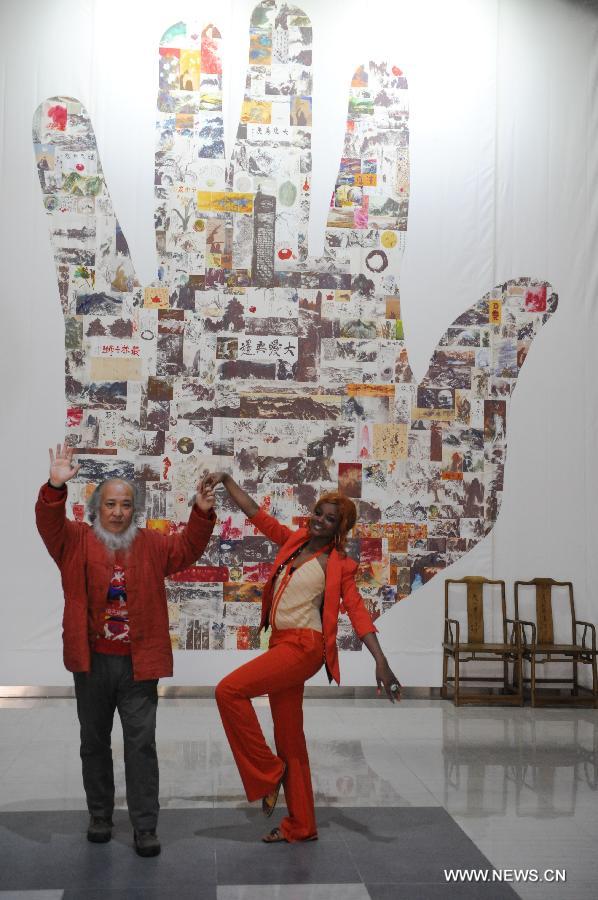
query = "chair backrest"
{"x": 544, "y": 616}
{"x": 475, "y": 605}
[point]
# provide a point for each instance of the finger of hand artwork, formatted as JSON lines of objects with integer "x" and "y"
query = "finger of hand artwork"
{"x": 189, "y": 84}
{"x": 374, "y": 194}
{"x": 72, "y": 183}
{"x": 190, "y": 95}
{"x": 274, "y": 127}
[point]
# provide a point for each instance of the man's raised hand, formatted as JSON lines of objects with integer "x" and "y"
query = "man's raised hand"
{"x": 205, "y": 497}
{"x": 62, "y": 467}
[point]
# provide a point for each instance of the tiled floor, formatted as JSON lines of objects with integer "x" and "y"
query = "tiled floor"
{"x": 400, "y": 791}
{"x": 377, "y": 851}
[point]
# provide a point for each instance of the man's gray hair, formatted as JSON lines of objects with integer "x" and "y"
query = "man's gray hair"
{"x": 93, "y": 504}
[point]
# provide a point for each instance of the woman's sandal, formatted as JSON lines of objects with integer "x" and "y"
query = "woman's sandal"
{"x": 270, "y": 800}
{"x": 276, "y": 837}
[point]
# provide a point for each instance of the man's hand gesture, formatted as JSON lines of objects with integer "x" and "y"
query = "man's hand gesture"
{"x": 62, "y": 468}
{"x": 205, "y": 497}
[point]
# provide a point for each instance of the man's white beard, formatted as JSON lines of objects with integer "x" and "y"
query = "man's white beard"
{"x": 112, "y": 541}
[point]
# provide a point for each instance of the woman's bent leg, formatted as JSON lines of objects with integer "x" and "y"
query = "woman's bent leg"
{"x": 284, "y": 666}
{"x": 287, "y": 712}
{"x": 259, "y": 768}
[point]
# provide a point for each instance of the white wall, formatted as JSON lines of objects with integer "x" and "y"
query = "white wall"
{"x": 504, "y": 156}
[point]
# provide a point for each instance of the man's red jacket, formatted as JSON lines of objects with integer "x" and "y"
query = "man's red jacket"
{"x": 340, "y": 582}
{"x": 86, "y": 568}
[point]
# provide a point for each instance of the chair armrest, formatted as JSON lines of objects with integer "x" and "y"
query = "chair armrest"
{"x": 586, "y": 626}
{"x": 448, "y": 630}
{"x": 523, "y": 624}
{"x": 517, "y": 632}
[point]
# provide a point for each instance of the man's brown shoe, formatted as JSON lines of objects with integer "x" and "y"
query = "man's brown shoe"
{"x": 99, "y": 830}
{"x": 146, "y": 843}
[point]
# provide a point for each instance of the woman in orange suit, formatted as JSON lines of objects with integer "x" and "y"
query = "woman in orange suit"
{"x": 301, "y": 601}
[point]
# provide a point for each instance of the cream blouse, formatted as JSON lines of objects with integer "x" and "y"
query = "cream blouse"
{"x": 300, "y": 603}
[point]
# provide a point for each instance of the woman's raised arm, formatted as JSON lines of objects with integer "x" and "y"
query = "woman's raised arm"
{"x": 236, "y": 493}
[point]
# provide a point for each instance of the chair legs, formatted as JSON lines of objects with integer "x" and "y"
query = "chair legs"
{"x": 518, "y": 678}
{"x": 515, "y": 688}
{"x": 456, "y": 693}
{"x": 512, "y": 689}
{"x": 575, "y": 689}
{"x": 444, "y": 688}
{"x": 533, "y": 679}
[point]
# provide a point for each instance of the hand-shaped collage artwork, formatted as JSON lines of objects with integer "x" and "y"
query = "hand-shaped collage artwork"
{"x": 246, "y": 355}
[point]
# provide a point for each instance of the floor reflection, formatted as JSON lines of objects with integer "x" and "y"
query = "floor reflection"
{"x": 535, "y": 763}
{"x": 204, "y": 773}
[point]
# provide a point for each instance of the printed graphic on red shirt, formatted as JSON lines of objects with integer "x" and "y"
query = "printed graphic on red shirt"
{"x": 116, "y": 617}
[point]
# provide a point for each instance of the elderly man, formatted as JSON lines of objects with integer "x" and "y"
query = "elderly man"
{"x": 115, "y": 632}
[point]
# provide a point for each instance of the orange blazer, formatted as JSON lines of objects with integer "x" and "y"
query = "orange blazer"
{"x": 340, "y": 584}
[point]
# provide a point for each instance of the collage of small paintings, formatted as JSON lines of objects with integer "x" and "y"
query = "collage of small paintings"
{"x": 248, "y": 356}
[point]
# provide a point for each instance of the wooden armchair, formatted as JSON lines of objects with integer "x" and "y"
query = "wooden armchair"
{"x": 475, "y": 648}
{"x": 539, "y": 646}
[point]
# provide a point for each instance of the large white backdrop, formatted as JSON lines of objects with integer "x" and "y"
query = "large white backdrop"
{"x": 504, "y": 163}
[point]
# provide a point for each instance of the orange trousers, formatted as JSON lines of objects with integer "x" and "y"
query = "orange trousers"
{"x": 294, "y": 655}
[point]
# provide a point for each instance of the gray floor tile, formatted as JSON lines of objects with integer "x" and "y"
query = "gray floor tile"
{"x": 407, "y": 845}
{"x": 31, "y": 895}
{"x": 440, "y": 892}
{"x": 571, "y": 890}
{"x": 49, "y": 850}
{"x": 315, "y": 862}
{"x": 292, "y": 892}
{"x": 164, "y": 892}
